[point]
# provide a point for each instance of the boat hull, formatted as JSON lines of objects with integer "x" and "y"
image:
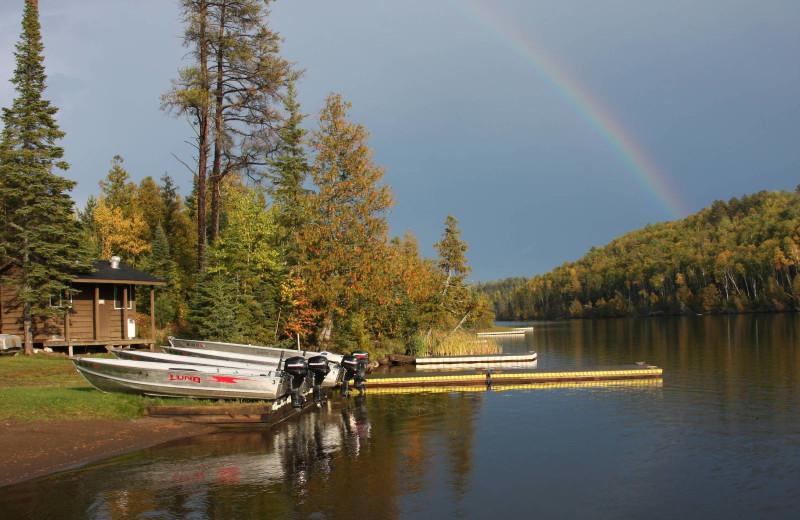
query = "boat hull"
{"x": 177, "y": 380}
{"x": 332, "y": 379}
{"x": 159, "y": 357}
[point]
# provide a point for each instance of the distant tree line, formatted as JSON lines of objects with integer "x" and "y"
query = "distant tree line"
{"x": 737, "y": 256}
{"x": 296, "y": 241}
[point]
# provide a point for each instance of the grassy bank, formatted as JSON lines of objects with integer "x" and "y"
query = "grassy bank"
{"x": 45, "y": 387}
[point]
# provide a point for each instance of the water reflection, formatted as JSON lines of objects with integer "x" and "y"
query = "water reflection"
{"x": 339, "y": 461}
{"x": 718, "y": 437}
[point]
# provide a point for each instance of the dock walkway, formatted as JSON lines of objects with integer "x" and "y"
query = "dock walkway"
{"x": 489, "y": 377}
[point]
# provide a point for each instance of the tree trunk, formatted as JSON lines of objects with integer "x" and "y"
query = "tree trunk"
{"x": 460, "y": 323}
{"x": 202, "y": 144}
{"x": 219, "y": 98}
{"x": 327, "y": 328}
{"x": 27, "y": 327}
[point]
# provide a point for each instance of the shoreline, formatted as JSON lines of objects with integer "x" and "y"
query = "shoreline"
{"x": 29, "y": 450}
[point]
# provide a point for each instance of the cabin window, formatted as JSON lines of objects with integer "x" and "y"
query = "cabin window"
{"x": 118, "y": 290}
{"x": 62, "y": 300}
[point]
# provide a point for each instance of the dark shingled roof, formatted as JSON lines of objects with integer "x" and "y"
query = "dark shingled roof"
{"x": 104, "y": 273}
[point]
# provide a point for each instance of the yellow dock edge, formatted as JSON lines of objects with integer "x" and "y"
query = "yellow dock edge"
{"x": 397, "y": 390}
{"x": 491, "y": 378}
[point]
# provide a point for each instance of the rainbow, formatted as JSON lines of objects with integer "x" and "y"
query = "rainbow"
{"x": 578, "y": 97}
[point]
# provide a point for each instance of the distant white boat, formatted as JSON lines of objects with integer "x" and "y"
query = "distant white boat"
{"x": 490, "y": 359}
{"x": 518, "y": 331}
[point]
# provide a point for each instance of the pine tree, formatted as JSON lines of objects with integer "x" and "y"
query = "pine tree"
{"x": 455, "y": 298}
{"x": 39, "y": 246}
{"x": 289, "y": 170}
{"x": 190, "y": 96}
{"x": 117, "y": 189}
{"x": 452, "y": 261}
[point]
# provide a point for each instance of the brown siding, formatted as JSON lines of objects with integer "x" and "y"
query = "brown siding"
{"x": 43, "y": 329}
{"x": 12, "y": 317}
{"x": 81, "y": 315}
{"x": 81, "y": 319}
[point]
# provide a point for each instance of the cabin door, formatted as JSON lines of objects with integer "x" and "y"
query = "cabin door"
{"x": 105, "y": 311}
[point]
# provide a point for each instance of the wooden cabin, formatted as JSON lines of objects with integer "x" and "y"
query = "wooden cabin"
{"x": 102, "y": 312}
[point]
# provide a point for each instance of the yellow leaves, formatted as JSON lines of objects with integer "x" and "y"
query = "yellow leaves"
{"x": 126, "y": 237}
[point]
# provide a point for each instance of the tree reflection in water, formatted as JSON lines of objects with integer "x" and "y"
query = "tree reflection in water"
{"x": 353, "y": 457}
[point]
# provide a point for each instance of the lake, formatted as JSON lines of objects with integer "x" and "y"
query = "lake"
{"x": 718, "y": 437}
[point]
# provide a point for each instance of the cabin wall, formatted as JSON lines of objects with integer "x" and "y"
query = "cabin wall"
{"x": 81, "y": 315}
{"x": 11, "y": 317}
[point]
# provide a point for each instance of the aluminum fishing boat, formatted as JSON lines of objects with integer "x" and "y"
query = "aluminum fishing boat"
{"x": 161, "y": 357}
{"x": 331, "y": 379}
{"x": 183, "y": 380}
{"x": 255, "y": 350}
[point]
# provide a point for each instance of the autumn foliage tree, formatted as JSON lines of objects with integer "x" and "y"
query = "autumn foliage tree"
{"x": 344, "y": 244}
{"x": 118, "y": 218}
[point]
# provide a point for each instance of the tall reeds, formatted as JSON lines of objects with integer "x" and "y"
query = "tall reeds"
{"x": 459, "y": 343}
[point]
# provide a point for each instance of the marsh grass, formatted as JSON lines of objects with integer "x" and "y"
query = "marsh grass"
{"x": 45, "y": 387}
{"x": 459, "y": 343}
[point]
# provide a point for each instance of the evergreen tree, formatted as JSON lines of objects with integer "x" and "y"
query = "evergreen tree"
{"x": 190, "y": 96}
{"x": 150, "y": 203}
{"x": 456, "y": 299}
{"x": 118, "y": 191}
{"x": 39, "y": 245}
{"x": 215, "y": 313}
{"x": 289, "y": 170}
{"x": 452, "y": 261}
{"x": 247, "y": 75}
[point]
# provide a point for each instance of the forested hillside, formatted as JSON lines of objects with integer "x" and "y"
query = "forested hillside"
{"x": 737, "y": 256}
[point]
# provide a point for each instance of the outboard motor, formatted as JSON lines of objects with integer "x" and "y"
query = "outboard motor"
{"x": 361, "y": 374}
{"x": 355, "y": 368}
{"x": 318, "y": 366}
{"x": 297, "y": 367}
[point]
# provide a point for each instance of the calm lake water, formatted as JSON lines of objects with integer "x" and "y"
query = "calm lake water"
{"x": 719, "y": 437}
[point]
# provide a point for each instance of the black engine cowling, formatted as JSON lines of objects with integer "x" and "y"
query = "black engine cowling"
{"x": 355, "y": 369}
{"x": 297, "y": 367}
{"x": 318, "y": 366}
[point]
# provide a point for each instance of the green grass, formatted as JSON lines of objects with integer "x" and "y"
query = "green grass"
{"x": 43, "y": 387}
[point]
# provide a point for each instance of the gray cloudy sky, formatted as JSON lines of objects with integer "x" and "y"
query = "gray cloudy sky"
{"x": 518, "y": 117}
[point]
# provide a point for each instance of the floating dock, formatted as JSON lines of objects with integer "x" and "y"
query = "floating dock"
{"x": 482, "y": 361}
{"x": 491, "y": 359}
{"x": 655, "y": 382}
{"x": 490, "y": 378}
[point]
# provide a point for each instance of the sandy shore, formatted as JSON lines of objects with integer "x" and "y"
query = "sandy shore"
{"x": 32, "y": 449}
